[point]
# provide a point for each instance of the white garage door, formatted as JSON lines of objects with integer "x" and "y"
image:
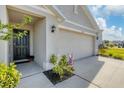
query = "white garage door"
{"x": 81, "y": 45}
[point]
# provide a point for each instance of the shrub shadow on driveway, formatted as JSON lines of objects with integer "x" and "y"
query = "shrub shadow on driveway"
{"x": 88, "y": 68}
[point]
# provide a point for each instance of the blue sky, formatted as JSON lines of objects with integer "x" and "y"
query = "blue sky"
{"x": 111, "y": 20}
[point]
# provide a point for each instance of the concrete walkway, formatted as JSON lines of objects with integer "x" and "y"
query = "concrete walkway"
{"x": 92, "y": 72}
{"x": 32, "y": 76}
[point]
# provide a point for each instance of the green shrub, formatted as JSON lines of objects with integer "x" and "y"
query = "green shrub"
{"x": 63, "y": 67}
{"x": 63, "y": 61}
{"x": 9, "y": 76}
{"x": 8, "y": 35}
{"x": 53, "y": 59}
{"x": 118, "y": 56}
{"x": 110, "y": 54}
{"x": 102, "y": 51}
{"x": 58, "y": 70}
{"x": 104, "y": 54}
{"x": 117, "y": 53}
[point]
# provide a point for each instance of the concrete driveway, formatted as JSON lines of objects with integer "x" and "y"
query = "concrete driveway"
{"x": 91, "y": 72}
{"x": 101, "y": 71}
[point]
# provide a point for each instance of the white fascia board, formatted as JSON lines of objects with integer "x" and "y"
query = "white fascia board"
{"x": 59, "y": 12}
{"x": 55, "y": 10}
{"x": 75, "y": 30}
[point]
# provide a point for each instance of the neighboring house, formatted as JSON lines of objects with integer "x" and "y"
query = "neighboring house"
{"x": 119, "y": 44}
{"x": 75, "y": 31}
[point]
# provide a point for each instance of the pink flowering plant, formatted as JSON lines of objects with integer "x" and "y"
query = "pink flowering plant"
{"x": 71, "y": 62}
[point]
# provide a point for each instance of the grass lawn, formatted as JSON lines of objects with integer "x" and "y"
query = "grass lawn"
{"x": 117, "y": 53}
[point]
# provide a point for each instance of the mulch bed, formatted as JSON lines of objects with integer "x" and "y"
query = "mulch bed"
{"x": 54, "y": 78}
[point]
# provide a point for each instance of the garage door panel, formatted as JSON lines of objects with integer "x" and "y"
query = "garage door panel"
{"x": 79, "y": 44}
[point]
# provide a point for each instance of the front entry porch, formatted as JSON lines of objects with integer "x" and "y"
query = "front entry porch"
{"x": 31, "y": 45}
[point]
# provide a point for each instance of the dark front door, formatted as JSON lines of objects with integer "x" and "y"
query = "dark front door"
{"x": 21, "y": 48}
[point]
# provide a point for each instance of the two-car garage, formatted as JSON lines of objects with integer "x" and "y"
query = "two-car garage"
{"x": 79, "y": 44}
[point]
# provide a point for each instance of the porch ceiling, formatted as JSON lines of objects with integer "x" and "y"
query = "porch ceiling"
{"x": 16, "y": 16}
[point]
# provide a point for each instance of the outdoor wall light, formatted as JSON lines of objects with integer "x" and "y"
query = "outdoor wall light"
{"x": 53, "y": 28}
{"x": 97, "y": 37}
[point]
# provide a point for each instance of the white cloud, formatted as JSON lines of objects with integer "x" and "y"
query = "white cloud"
{"x": 112, "y": 33}
{"x": 95, "y": 9}
{"x": 115, "y": 10}
{"x": 103, "y": 12}
{"x": 101, "y": 22}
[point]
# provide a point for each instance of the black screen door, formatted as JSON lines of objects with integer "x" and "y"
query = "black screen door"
{"x": 21, "y": 48}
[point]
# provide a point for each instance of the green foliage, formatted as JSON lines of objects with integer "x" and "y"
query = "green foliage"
{"x": 9, "y": 76}
{"x": 53, "y": 59}
{"x": 62, "y": 67}
{"x": 118, "y": 56}
{"x": 63, "y": 61}
{"x": 111, "y": 45}
{"x": 58, "y": 70}
{"x": 117, "y": 53}
{"x": 101, "y": 46}
{"x": 27, "y": 20}
{"x": 106, "y": 41}
{"x": 110, "y": 54}
{"x": 6, "y": 30}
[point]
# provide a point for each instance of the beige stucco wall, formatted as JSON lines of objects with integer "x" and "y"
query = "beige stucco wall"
{"x": 79, "y": 18}
{"x": 40, "y": 42}
{"x": 4, "y": 44}
{"x": 51, "y": 39}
